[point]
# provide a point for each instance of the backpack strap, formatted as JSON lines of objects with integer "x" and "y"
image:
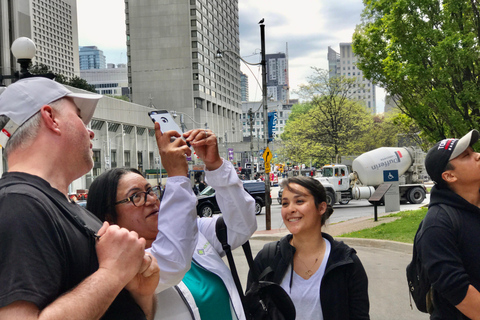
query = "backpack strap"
{"x": 268, "y": 257}
{"x": 76, "y": 220}
{"x": 221, "y": 231}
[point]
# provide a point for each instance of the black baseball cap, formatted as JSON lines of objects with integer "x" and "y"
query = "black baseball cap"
{"x": 438, "y": 157}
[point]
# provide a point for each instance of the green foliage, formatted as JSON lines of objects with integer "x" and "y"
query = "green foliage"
{"x": 124, "y": 98}
{"x": 328, "y": 125}
{"x": 80, "y": 83}
{"x": 77, "y": 82}
{"x": 402, "y": 229}
{"x": 425, "y": 54}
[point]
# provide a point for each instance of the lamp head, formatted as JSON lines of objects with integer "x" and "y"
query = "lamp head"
{"x": 219, "y": 54}
{"x": 23, "y": 48}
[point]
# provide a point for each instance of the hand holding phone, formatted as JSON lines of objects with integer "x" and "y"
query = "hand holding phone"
{"x": 165, "y": 119}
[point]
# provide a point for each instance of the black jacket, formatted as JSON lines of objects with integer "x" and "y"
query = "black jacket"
{"x": 449, "y": 250}
{"x": 344, "y": 287}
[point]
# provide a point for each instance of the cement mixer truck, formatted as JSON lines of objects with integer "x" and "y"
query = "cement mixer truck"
{"x": 342, "y": 185}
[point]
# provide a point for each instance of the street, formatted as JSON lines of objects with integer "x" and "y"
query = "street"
{"x": 354, "y": 209}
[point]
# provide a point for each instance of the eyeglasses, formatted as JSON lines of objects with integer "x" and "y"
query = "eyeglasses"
{"x": 138, "y": 199}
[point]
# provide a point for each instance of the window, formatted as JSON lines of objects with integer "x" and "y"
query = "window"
{"x": 127, "y": 158}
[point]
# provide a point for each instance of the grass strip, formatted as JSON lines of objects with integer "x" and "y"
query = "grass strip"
{"x": 402, "y": 229}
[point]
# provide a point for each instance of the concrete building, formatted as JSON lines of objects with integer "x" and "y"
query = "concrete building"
{"x": 91, "y": 58}
{"x": 244, "y": 85}
{"x": 112, "y": 80}
{"x": 364, "y": 90}
{"x": 333, "y": 62}
{"x": 283, "y": 111}
{"x": 51, "y": 24}
{"x": 277, "y": 77}
{"x": 171, "y": 49}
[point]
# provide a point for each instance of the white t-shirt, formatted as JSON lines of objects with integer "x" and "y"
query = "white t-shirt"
{"x": 305, "y": 294}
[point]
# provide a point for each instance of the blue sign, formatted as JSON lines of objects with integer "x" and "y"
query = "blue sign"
{"x": 272, "y": 124}
{"x": 390, "y": 175}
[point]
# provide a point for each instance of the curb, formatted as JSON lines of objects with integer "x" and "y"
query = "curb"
{"x": 353, "y": 242}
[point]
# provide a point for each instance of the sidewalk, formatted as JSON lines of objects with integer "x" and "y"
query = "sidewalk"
{"x": 384, "y": 261}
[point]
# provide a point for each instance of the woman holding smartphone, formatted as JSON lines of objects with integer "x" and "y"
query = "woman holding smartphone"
{"x": 208, "y": 287}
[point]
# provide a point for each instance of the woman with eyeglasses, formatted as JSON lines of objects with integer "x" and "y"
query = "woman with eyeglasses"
{"x": 177, "y": 238}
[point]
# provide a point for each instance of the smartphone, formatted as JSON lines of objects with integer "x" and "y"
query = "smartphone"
{"x": 166, "y": 121}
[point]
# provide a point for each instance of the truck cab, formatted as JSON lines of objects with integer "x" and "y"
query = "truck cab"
{"x": 336, "y": 181}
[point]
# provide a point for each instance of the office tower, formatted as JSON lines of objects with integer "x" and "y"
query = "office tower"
{"x": 51, "y": 24}
{"x": 363, "y": 89}
{"x": 91, "y": 58}
{"x": 172, "y": 64}
{"x": 333, "y": 62}
{"x": 244, "y": 84}
{"x": 277, "y": 77}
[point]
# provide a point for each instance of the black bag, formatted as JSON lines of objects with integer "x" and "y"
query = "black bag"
{"x": 418, "y": 283}
{"x": 265, "y": 300}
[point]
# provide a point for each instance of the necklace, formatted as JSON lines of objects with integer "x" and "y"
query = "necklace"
{"x": 309, "y": 271}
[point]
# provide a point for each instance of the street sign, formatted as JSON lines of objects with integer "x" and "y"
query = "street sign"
{"x": 267, "y": 167}
{"x": 267, "y": 156}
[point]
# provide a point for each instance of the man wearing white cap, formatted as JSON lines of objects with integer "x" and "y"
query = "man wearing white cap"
{"x": 448, "y": 241}
{"x": 56, "y": 259}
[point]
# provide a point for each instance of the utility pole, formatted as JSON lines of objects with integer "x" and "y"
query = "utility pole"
{"x": 268, "y": 221}
{"x": 226, "y": 147}
{"x": 250, "y": 117}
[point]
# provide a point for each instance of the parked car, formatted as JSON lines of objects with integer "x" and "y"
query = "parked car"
{"x": 280, "y": 192}
{"x": 257, "y": 190}
{"x": 207, "y": 203}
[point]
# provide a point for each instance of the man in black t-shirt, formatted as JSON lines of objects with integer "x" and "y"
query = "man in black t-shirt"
{"x": 57, "y": 261}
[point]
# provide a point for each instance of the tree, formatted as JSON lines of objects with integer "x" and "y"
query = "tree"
{"x": 425, "y": 54}
{"x": 329, "y": 124}
{"x": 80, "y": 83}
{"x": 77, "y": 82}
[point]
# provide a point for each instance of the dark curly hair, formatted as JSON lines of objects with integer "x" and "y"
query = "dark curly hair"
{"x": 315, "y": 188}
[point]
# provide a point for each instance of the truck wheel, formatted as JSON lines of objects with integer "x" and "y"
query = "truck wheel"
{"x": 416, "y": 195}
{"x": 330, "y": 198}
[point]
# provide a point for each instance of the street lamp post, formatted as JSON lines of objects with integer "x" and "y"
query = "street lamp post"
{"x": 24, "y": 50}
{"x": 263, "y": 63}
{"x": 182, "y": 121}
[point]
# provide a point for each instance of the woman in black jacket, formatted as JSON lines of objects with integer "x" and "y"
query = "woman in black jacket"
{"x": 324, "y": 277}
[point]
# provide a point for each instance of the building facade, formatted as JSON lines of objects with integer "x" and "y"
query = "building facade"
{"x": 244, "y": 84}
{"x": 345, "y": 65}
{"x": 256, "y": 129}
{"x": 277, "y": 77}
{"x": 171, "y": 49}
{"x": 91, "y": 58}
{"x": 110, "y": 81}
{"x": 51, "y": 24}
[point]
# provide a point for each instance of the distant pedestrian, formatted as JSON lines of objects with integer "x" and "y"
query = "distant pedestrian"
{"x": 449, "y": 250}
{"x": 201, "y": 185}
{"x": 324, "y": 277}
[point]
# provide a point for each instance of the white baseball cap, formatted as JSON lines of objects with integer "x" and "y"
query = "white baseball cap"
{"x": 24, "y": 98}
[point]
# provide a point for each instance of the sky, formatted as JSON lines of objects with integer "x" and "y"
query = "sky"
{"x": 304, "y": 29}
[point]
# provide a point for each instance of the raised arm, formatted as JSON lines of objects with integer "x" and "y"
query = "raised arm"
{"x": 177, "y": 229}
{"x": 236, "y": 205}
